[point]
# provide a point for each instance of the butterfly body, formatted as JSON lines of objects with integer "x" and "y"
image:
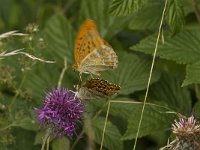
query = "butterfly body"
{"x": 92, "y": 54}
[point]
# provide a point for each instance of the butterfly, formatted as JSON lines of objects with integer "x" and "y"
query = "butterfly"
{"x": 92, "y": 53}
{"x": 97, "y": 88}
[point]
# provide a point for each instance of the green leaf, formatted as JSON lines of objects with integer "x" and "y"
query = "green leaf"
{"x": 61, "y": 144}
{"x": 108, "y": 26}
{"x": 23, "y": 140}
{"x": 141, "y": 19}
{"x": 155, "y": 118}
{"x": 175, "y": 15}
{"x": 125, "y": 7}
{"x": 122, "y": 107}
{"x": 168, "y": 90}
{"x": 43, "y": 78}
{"x": 192, "y": 74}
{"x": 132, "y": 73}
{"x": 26, "y": 123}
{"x": 60, "y": 38}
{"x": 197, "y": 109}
{"x": 112, "y": 135}
{"x": 39, "y": 137}
{"x": 182, "y": 48}
{"x": 5, "y": 12}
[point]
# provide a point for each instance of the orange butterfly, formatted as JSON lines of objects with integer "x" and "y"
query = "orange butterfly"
{"x": 92, "y": 54}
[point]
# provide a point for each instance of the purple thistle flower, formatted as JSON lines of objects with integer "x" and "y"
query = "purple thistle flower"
{"x": 61, "y": 112}
{"x": 186, "y": 127}
{"x": 187, "y": 132}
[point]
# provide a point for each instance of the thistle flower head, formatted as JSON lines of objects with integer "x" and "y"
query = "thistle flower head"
{"x": 61, "y": 112}
{"x": 186, "y": 127}
{"x": 187, "y": 132}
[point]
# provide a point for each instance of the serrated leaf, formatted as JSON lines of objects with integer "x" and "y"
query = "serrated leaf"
{"x": 125, "y": 7}
{"x": 112, "y": 135}
{"x": 141, "y": 19}
{"x": 108, "y": 26}
{"x": 43, "y": 78}
{"x": 60, "y": 38}
{"x": 168, "y": 90}
{"x": 192, "y": 74}
{"x": 61, "y": 144}
{"x": 155, "y": 118}
{"x": 132, "y": 73}
{"x": 122, "y": 107}
{"x": 175, "y": 15}
{"x": 182, "y": 48}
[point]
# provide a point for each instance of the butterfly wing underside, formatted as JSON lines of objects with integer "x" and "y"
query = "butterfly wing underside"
{"x": 98, "y": 88}
{"x": 92, "y": 53}
{"x": 102, "y": 58}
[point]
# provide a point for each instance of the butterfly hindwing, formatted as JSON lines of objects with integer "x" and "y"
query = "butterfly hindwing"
{"x": 99, "y": 60}
{"x": 98, "y": 88}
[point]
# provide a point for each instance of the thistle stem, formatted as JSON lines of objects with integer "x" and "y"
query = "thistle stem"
{"x": 46, "y": 138}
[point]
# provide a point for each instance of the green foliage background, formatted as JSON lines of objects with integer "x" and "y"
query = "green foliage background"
{"x": 131, "y": 27}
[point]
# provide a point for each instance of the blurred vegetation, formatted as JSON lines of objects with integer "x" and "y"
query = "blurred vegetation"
{"x": 131, "y": 27}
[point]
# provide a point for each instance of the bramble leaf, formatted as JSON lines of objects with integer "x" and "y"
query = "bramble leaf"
{"x": 112, "y": 135}
{"x": 175, "y": 15}
{"x": 125, "y": 7}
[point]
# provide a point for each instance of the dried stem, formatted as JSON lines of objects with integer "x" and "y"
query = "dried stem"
{"x": 45, "y": 139}
{"x": 62, "y": 73}
{"x": 150, "y": 74}
{"x": 11, "y": 33}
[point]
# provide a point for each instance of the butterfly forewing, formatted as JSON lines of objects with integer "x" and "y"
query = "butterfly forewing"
{"x": 85, "y": 43}
{"x": 92, "y": 53}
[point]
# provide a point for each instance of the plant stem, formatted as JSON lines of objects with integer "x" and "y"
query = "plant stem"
{"x": 104, "y": 128}
{"x": 150, "y": 74}
{"x": 62, "y": 73}
{"x": 48, "y": 139}
{"x": 47, "y": 136}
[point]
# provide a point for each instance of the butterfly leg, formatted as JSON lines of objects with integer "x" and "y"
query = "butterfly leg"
{"x": 91, "y": 76}
{"x": 74, "y": 93}
{"x": 80, "y": 77}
